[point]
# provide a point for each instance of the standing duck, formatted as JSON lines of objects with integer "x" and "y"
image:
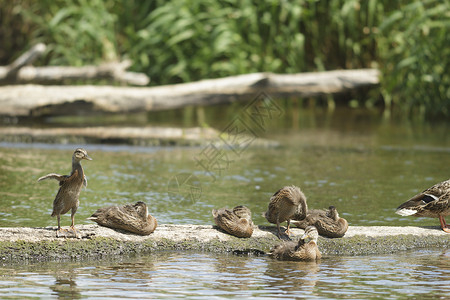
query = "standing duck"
{"x": 305, "y": 250}
{"x": 130, "y": 217}
{"x": 433, "y": 202}
{"x": 327, "y": 222}
{"x": 284, "y": 204}
{"x": 70, "y": 186}
{"x": 237, "y": 222}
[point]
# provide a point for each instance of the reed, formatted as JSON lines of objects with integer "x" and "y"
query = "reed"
{"x": 184, "y": 40}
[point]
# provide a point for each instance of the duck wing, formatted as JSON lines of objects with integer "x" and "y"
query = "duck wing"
{"x": 60, "y": 178}
{"x": 228, "y": 221}
{"x": 427, "y": 203}
{"x": 242, "y": 212}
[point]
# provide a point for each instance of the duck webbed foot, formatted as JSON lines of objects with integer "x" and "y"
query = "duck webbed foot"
{"x": 67, "y": 233}
{"x": 61, "y": 232}
{"x": 283, "y": 236}
{"x": 444, "y": 225}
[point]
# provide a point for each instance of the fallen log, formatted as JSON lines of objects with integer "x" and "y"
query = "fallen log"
{"x": 114, "y": 71}
{"x": 154, "y": 136}
{"x": 20, "y": 71}
{"x": 10, "y": 72}
{"x": 37, "y": 100}
{"x": 141, "y": 136}
{"x": 23, "y": 243}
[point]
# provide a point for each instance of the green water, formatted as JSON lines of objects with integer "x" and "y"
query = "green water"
{"x": 171, "y": 275}
{"x": 357, "y": 161}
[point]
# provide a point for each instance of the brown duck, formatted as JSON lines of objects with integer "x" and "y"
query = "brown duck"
{"x": 433, "y": 202}
{"x": 327, "y": 222}
{"x": 130, "y": 217}
{"x": 284, "y": 204}
{"x": 68, "y": 194}
{"x": 237, "y": 222}
{"x": 305, "y": 250}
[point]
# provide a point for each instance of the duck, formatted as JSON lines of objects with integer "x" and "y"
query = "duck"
{"x": 305, "y": 249}
{"x": 70, "y": 187}
{"x": 237, "y": 222}
{"x": 327, "y": 222}
{"x": 133, "y": 218}
{"x": 284, "y": 204}
{"x": 433, "y": 202}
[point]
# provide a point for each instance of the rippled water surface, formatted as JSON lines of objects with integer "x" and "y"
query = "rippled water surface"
{"x": 364, "y": 166}
{"x": 420, "y": 274}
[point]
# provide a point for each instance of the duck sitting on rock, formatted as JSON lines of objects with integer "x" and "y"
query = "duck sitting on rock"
{"x": 284, "y": 204}
{"x": 305, "y": 250}
{"x": 327, "y": 222}
{"x": 130, "y": 217}
{"x": 433, "y": 202}
{"x": 237, "y": 222}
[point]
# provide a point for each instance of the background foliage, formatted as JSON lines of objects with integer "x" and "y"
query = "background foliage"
{"x": 185, "y": 40}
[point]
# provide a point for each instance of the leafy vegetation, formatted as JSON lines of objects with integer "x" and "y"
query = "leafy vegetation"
{"x": 185, "y": 40}
{"x": 414, "y": 45}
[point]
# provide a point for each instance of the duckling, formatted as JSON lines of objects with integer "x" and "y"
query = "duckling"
{"x": 433, "y": 202}
{"x": 305, "y": 250}
{"x": 237, "y": 222}
{"x": 70, "y": 186}
{"x": 328, "y": 223}
{"x": 130, "y": 217}
{"x": 284, "y": 204}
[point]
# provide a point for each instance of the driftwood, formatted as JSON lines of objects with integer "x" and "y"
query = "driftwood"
{"x": 19, "y": 72}
{"x": 37, "y": 100}
{"x": 100, "y": 134}
{"x": 138, "y": 136}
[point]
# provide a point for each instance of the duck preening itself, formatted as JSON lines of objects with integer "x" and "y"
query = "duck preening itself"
{"x": 328, "y": 222}
{"x": 284, "y": 204}
{"x": 305, "y": 250}
{"x": 433, "y": 202}
{"x": 237, "y": 222}
{"x": 130, "y": 217}
{"x": 70, "y": 187}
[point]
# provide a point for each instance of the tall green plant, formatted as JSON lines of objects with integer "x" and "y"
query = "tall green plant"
{"x": 184, "y": 40}
{"x": 77, "y": 32}
{"x": 414, "y": 46}
{"x": 190, "y": 40}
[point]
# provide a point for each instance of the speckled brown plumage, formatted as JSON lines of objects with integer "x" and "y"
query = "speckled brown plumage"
{"x": 305, "y": 250}
{"x": 237, "y": 222}
{"x": 68, "y": 194}
{"x": 433, "y": 202}
{"x": 284, "y": 204}
{"x": 327, "y": 222}
{"x": 130, "y": 217}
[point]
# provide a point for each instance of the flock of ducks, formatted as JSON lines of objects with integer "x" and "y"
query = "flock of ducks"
{"x": 287, "y": 205}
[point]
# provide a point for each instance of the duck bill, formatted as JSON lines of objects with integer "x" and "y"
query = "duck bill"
{"x": 87, "y": 157}
{"x": 304, "y": 236}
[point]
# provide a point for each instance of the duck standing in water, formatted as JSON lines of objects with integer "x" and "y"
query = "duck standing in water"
{"x": 305, "y": 250}
{"x": 284, "y": 204}
{"x": 130, "y": 217}
{"x": 327, "y": 222}
{"x": 237, "y": 222}
{"x": 433, "y": 202}
{"x": 70, "y": 186}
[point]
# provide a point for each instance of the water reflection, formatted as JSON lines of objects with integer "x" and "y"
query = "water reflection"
{"x": 65, "y": 287}
{"x": 292, "y": 276}
{"x": 201, "y": 275}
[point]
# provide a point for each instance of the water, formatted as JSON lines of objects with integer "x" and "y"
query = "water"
{"x": 420, "y": 274}
{"x": 360, "y": 163}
